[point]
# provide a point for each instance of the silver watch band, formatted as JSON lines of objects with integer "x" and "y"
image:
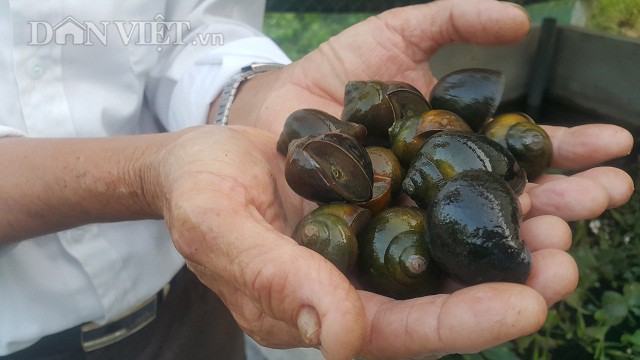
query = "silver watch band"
{"x": 231, "y": 88}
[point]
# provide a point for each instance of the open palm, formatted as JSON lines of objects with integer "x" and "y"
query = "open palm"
{"x": 232, "y": 211}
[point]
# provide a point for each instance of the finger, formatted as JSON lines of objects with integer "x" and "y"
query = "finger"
{"x": 546, "y": 232}
{"x": 554, "y": 275}
{"x": 466, "y": 321}
{"x": 595, "y": 190}
{"x": 525, "y": 203}
{"x": 428, "y": 27}
{"x": 573, "y": 198}
{"x": 588, "y": 145}
{"x": 286, "y": 282}
{"x": 547, "y": 178}
{"x": 260, "y": 327}
{"x": 618, "y": 183}
{"x": 404, "y": 40}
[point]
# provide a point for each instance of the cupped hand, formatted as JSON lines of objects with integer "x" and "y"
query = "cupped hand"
{"x": 230, "y": 209}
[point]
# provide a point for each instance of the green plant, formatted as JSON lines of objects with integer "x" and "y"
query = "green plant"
{"x": 616, "y": 16}
{"x": 299, "y": 34}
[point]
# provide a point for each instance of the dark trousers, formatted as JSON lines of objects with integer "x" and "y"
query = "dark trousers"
{"x": 192, "y": 323}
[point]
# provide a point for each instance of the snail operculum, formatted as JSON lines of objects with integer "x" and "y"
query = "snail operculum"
{"x": 329, "y": 168}
{"x": 529, "y": 143}
{"x": 306, "y": 122}
{"x": 330, "y": 236}
{"x": 377, "y": 105}
{"x": 450, "y": 152}
{"x": 474, "y": 230}
{"x": 387, "y": 179}
{"x": 472, "y": 94}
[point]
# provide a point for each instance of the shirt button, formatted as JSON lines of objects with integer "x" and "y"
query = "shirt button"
{"x": 35, "y": 70}
{"x": 77, "y": 235}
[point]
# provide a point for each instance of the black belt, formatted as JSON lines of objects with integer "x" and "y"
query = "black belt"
{"x": 91, "y": 336}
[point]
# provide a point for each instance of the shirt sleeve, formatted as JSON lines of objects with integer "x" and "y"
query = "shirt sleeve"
{"x": 6, "y": 131}
{"x": 189, "y": 77}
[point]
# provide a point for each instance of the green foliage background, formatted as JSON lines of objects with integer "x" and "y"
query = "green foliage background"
{"x": 601, "y": 320}
{"x": 300, "y": 33}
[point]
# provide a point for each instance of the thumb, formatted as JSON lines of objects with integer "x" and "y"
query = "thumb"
{"x": 428, "y": 27}
{"x": 279, "y": 288}
{"x": 297, "y": 286}
{"x": 397, "y": 44}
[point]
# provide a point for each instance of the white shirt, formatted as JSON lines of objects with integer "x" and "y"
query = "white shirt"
{"x": 95, "y": 272}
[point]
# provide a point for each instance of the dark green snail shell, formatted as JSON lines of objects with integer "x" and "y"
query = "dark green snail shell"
{"x": 450, "y": 152}
{"x": 330, "y": 236}
{"x": 391, "y": 247}
{"x": 408, "y": 134}
{"x": 527, "y": 141}
{"x": 355, "y": 216}
{"x": 305, "y": 122}
{"x": 473, "y": 227}
{"x": 376, "y": 105}
{"x": 329, "y": 168}
{"x": 409, "y": 263}
{"x": 472, "y": 94}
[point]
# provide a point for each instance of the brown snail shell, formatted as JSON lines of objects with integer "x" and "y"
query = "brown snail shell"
{"x": 329, "y": 168}
{"x": 377, "y": 105}
{"x": 387, "y": 179}
{"x": 305, "y": 122}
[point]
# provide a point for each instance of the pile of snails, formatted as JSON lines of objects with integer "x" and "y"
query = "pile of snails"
{"x": 392, "y": 140}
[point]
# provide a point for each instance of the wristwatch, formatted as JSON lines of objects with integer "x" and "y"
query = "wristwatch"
{"x": 231, "y": 88}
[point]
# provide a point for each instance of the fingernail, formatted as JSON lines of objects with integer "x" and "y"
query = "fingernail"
{"x": 519, "y": 7}
{"x": 309, "y": 325}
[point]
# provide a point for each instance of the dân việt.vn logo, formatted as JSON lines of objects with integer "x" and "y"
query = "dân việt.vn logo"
{"x": 158, "y": 32}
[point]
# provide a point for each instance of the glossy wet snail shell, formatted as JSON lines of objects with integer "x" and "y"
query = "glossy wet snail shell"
{"x": 306, "y": 122}
{"x": 356, "y": 217}
{"x": 387, "y": 179}
{"x": 473, "y": 229}
{"x": 408, "y": 134}
{"x": 377, "y": 105}
{"x": 527, "y": 141}
{"x": 394, "y": 258}
{"x": 472, "y": 94}
{"x": 329, "y": 168}
{"x": 450, "y": 152}
{"x": 330, "y": 236}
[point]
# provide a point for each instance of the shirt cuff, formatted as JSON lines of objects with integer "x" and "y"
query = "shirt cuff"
{"x": 6, "y": 131}
{"x": 194, "y": 93}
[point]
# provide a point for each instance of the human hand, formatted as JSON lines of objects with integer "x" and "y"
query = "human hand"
{"x": 467, "y": 320}
{"x": 228, "y": 208}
